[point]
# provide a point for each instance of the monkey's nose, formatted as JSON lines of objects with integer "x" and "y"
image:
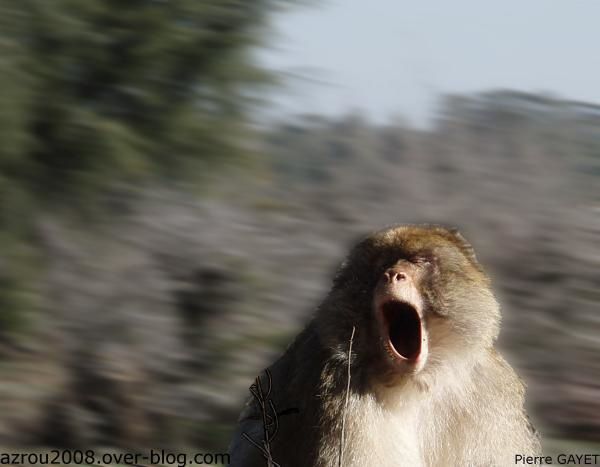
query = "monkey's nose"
{"x": 392, "y": 275}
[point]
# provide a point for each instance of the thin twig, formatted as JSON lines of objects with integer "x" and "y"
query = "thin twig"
{"x": 269, "y": 418}
{"x": 343, "y": 437}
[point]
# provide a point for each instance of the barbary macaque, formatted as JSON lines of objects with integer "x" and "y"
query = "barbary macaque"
{"x": 396, "y": 368}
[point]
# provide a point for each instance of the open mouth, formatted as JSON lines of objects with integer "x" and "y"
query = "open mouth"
{"x": 403, "y": 325}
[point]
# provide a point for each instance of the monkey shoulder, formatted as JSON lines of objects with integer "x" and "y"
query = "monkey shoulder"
{"x": 501, "y": 420}
{"x": 502, "y": 380}
{"x": 486, "y": 424}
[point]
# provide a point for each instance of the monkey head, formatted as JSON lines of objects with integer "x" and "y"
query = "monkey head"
{"x": 418, "y": 299}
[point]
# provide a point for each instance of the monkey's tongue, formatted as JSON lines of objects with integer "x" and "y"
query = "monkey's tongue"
{"x": 404, "y": 328}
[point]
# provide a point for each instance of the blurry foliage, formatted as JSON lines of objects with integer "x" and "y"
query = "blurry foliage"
{"x": 106, "y": 95}
{"x": 103, "y": 91}
{"x": 158, "y": 319}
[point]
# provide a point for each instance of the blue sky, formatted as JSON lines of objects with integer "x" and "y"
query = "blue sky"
{"x": 393, "y": 58}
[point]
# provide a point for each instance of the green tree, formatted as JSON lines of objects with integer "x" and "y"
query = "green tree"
{"x": 101, "y": 91}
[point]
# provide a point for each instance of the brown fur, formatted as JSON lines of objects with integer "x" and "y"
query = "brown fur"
{"x": 464, "y": 407}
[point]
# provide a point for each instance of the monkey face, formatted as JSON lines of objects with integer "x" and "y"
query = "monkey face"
{"x": 417, "y": 297}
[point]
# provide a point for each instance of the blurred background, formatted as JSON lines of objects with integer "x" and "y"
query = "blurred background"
{"x": 180, "y": 178}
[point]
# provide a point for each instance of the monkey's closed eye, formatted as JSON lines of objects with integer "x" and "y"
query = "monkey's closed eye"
{"x": 422, "y": 260}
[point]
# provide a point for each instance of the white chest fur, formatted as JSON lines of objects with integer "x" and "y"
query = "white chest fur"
{"x": 385, "y": 433}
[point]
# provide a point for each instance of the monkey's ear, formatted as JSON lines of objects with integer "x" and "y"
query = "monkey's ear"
{"x": 463, "y": 244}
